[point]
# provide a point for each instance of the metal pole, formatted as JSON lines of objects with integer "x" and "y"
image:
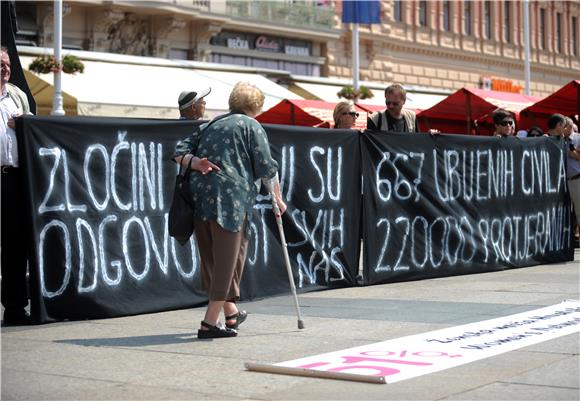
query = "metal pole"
{"x": 57, "y": 109}
{"x": 355, "y": 56}
{"x": 278, "y": 217}
{"x": 525, "y": 5}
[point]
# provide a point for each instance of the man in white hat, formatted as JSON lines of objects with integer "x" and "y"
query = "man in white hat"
{"x": 192, "y": 104}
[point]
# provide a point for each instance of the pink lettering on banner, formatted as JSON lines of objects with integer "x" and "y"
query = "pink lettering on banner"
{"x": 404, "y": 353}
{"x": 355, "y": 359}
{"x": 380, "y": 370}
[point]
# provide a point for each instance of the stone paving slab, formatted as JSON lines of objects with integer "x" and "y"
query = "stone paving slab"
{"x": 43, "y": 386}
{"x": 517, "y": 392}
{"x": 158, "y": 357}
{"x": 562, "y": 373}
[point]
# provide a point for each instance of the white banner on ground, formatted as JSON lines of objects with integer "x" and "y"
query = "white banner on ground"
{"x": 403, "y": 358}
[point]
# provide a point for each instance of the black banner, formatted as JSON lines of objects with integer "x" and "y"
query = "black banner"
{"x": 99, "y": 190}
{"x": 320, "y": 180}
{"x": 454, "y": 204}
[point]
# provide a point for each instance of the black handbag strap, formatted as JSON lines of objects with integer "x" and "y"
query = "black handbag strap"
{"x": 187, "y": 171}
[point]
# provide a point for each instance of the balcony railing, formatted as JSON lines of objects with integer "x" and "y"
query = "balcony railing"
{"x": 306, "y": 14}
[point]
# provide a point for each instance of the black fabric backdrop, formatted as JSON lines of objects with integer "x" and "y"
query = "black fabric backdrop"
{"x": 99, "y": 190}
{"x": 9, "y": 27}
{"x": 455, "y": 204}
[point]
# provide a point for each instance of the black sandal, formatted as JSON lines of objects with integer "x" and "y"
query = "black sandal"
{"x": 215, "y": 331}
{"x": 240, "y": 317}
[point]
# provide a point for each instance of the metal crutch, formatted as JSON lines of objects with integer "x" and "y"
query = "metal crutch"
{"x": 278, "y": 216}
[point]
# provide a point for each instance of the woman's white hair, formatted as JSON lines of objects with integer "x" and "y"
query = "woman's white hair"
{"x": 246, "y": 98}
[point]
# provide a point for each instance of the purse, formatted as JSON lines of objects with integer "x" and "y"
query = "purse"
{"x": 180, "y": 221}
{"x": 181, "y": 211}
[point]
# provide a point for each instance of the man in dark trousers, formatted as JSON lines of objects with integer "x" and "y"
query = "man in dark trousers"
{"x": 13, "y": 250}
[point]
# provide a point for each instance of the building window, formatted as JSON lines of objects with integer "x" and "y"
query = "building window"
{"x": 542, "y": 29}
{"x": 398, "y": 11}
{"x": 487, "y": 19}
{"x": 467, "y": 17}
{"x": 447, "y": 15}
{"x": 423, "y": 13}
{"x": 574, "y": 43}
{"x": 507, "y": 23}
{"x": 178, "y": 54}
{"x": 559, "y": 32}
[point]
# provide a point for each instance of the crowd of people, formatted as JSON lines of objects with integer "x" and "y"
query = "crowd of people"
{"x": 228, "y": 156}
{"x": 221, "y": 231}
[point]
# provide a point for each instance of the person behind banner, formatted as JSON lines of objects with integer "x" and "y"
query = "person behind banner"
{"x": 192, "y": 104}
{"x": 535, "y": 132}
{"x": 395, "y": 118}
{"x": 229, "y": 156}
{"x": 13, "y": 103}
{"x": 504, "y": 123}
{"x": 344, "y": 115}
{"x": 573, "y": 167}
{"x": 556, "y": 125}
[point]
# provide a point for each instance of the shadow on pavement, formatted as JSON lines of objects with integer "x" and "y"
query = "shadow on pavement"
{"x": 138, "y": 341}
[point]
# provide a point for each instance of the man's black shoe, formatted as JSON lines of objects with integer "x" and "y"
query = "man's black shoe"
{"x": 16, "y": 317}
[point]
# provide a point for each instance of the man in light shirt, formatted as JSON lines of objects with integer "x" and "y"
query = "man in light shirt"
{"x": 573, "y": 165}
{"x": 13, "y": 103}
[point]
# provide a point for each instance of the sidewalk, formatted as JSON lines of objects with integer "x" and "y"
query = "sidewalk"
{"x": 158, "y": 357}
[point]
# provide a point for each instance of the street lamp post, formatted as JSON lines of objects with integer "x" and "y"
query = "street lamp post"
{"x": 57, "y": 109}
{"x": 355, "y": 57}
{"x": 525, "y": 5}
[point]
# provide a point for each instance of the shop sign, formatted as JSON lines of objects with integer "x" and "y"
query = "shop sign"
{"x": 238, "y": 43}
{"x": 500, "y": 85}
{"x": 264, "y": 43}
{"x": 297, "y": 50}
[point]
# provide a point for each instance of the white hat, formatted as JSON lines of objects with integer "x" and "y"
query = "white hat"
{"x": 188, "y": 98}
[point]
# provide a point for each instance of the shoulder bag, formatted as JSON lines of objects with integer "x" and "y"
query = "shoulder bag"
{"x": 181, "y": 211}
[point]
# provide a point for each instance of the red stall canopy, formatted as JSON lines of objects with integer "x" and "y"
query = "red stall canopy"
{"x": 372, "y": 108}
{"x": 565, "y": 100}
{"x": 459, "y": 112}
{"x": 309, "y": 113}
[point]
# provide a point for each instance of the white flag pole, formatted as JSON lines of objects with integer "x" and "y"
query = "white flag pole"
{"x": 57, "y": 109}
{"x": 525, "y": 5}
{"x": 355, "y": 56}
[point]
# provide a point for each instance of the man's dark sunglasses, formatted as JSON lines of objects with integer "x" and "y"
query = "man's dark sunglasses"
{"x": 351, "y": 113}
{"x": 506, "y": 123}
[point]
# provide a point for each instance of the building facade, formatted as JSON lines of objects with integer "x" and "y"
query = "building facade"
{"x": 441, "y": 45}
{"x": 452, "y": 44}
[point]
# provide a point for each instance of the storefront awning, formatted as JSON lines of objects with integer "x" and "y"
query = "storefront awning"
{"x": 144, "y": 91}
{"x": 309, "y": 113}
{"x": 565, "y": 100}
{"x": 467, "y": 111}
{"x": 328, "y": 93}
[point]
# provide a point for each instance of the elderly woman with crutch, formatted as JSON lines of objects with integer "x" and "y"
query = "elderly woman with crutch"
{"x": 228, "y": 157}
